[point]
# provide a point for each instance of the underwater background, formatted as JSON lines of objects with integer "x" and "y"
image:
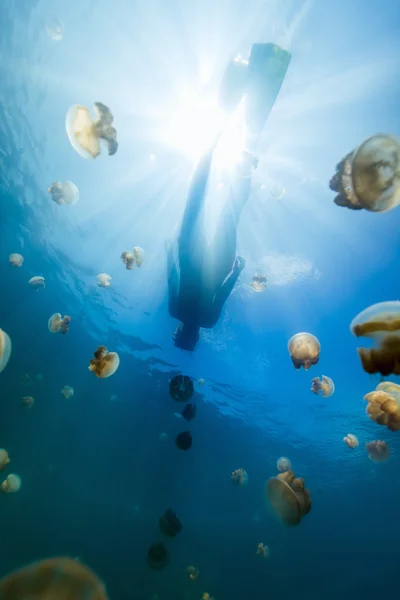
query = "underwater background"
{"x": 95, "y": 475}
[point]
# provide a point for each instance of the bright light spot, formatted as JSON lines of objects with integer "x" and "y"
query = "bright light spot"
{"x": 152, "y": 157}
{"x": 205, "y": 73}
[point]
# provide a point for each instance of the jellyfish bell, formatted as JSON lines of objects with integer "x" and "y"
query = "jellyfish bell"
{"x": 351, "y": 440}
{"x": 192, "y": 573}
{"x": 138, "y": 255}
{"x": 104, "y": 280}
{"x": 201, "y": 382}
{"x": 12, "y": 484}
{"x": 37, "y": 282}
{"x": 55, "y": 29}
{"x": 54, "y": 323}
{"x": 323, "y": 386}
{"x": 28, "y": 401}
{"x": 384, "y": 405}
{"x": 105, "y": 363}
{"x": 85, "y": 134}
{"x": 5, "y": 350}
{"x": 259, "y": 282}
{"x": 240, "y": 477}
{"x": 16, "y": 259}
{"x": 288, "y": 497}
{"x": 378, "y": 451}
{"x": 189, "y": 412}
{"x": 4, "y": 459}
{"x": 70, "y": 192}
{"x": 304, "y": 349}
{"x": 67, "y": 391}
{"x": 283, "y": 464}
{"x": 181, "y": 388}
{"x": 262, "y": 550}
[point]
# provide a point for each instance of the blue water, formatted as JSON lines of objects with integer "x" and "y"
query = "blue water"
{"x": 95, "y": 477}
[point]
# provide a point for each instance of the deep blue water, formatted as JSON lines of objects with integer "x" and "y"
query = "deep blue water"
{"x": 95, "y": 477}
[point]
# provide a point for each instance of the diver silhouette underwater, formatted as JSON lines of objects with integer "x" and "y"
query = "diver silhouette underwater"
{"x": 204, "y": 277}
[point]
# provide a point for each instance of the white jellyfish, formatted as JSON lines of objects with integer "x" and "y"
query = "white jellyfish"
{"x": 283, "y": 464}
{"x": 11, "y": 484}
{"x": 351, "y": 440}
{"x": 4, "y": 459}
{"x": 5, "y": 349}
{"x": 201, "y": 382}
{"x": 67, "y": 391}
{"x": 55, "y": 29}
{"x": 138, "y": 255}
{"x": 64, "y": 193}
{"x": 37, "y": 282}
{"x": 104, "y": 280}
{"x": 85, "y": 134}
{"x": 16, "y": 259}
{"x": 59, "y": 324}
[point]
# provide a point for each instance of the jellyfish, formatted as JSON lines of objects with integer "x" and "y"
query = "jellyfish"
{"x": 369, "y": 177}
{"x": 259, "y": 282}
{"x": 193, "y": 573}
{"x": 378, "y": 451}
{"x": 55, "y": 29}
{"x": 11, "y": 484}
{"x": 183, "y": 441}
{"x": 128, "y": 259}
{"x": 59, "y": 324}
{"x": 64, "y": 193}
{"x": 283, "y": 464}
{"x": 206, "y": 596}
{"x": 325, "y": 386}
{"x": 189, "y": 412}
{"x": 61, "y": 577}
{"x": 201, "y": 382}
{"x": 67, "y": 391}
{"x": 157, "y": 556}
{"x": 262, "y": 550}
{"x": 28, "y": 401}
{"x": 169, "y": 523}
{"x": 5, "y": 350}
{"x": 304, "y": 350}
{"x": 162, "y": 437}
{"x": 277, "y": 191}
{"x": 384, "y": 405}
{"x": 37, "y": 282}
{"x": 381, "y": 322}
{"x": 16, "y": 259}
{"x": 105, "y": 363}
{"x": 4, "y": 459}
{"x": 288, "y": 497}
{"x": 138, "y": 255}
{"x": 181, "y": 388}
{"x": 351, "y": 440}
{"x": 240, "y": 477}
{"x": 104, "y": 280}
{"x": 85, "y": 134}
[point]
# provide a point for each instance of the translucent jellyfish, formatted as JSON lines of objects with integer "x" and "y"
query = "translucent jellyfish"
{"x": 28, "y": 401}
{"x": 378, "y": 451}
{"x": 104, "y": 280}
{"x": 5, "y": 350}
{"x": 277, "y": 191}
{"x": 37, "y": 282}
{"x": 128, "y": 259}
{"x": 4, "y": 459}
{"x": 59, "y": 324}
{"x": 369, "y": 177}
{"x": 206, "y": 596}
{"x": 324, "y": 386}
{"x": 288, "y": 497}
{"x": 67, "y": 391}
{"x": 169, "y": 524}
{"x": 64, "y": 193}
{"x": 55, "y": 29}
{"x": 136, "y": 257}
{"x": 193, "y": 573}
{"x": 85, "y": 134}
{"x": 259, "y": 282}
{"x": 381, "y": 322}
{"x": 162, "y": 437}
{"x": 201, "y": 382}
{"x": 283, "y": 464}
{"x": 304, "y": 350}
{"x": 351, "y": 440}
{"x": 105, "y": 363}
{"x": 181, "y": 388}
{"x": 240, "y": 477}
{"x": 384, "y": 405}
{"x": 262, "y": 550}
{"x": 62, "y": 578}
{"x": 157, "y": 556}
{"x": 11, "y": 484}
{"x": 16, "y": 259}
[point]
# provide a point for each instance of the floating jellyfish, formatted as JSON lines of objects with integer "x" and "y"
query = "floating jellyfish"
{"x": 59, "y": 324}
{"x": 240, "y": 477}
{"x": 378, "y": 451}
{"x": 64, "y": 193}
{"x": 37, "y": 282}
{"x": 288, "y": 497}
{"x": 259, "y": 282}
{"x": 283, "y": 464}
{"x": 105, "y": 363}
{"x": 128, "y": 259}
{"x": 381, "y": 322}
{"x": 304, "y": 350}
{"x": 189, "y": 412}
{"x": 169, "y": 523}
{"x": 5, "y": 350}
{"x": 325, "y": 386}
{"x": 67, "y": 391}
{"x": 351, "y": 440}
{"x": 55, "y": 29}
{"x": 157, "y": 556}
{"x": 201, "y": 382}
{"x": 104, "y": 280}
{"x": 11, "y": 484}
{"x": 262, "y": 550}
{"x": 181, "y": 388}
{"x": 61, "y": 577}
{"x": 183, "y": 441}
{"x": 369, "y": 177}
{"x": 136, "y": 257}
{"x": 206, "y": 596}
{"x": 277, "y": 191}
{"x": 4, "y": 459}
{"x": 28, "y": 401}
{"x": 193, "y": 573}
{"x": 16, "y": 259}
{"x": 85, "y": 134}
{"x": 384, "y": 405}
{"x": 162, "y": 437}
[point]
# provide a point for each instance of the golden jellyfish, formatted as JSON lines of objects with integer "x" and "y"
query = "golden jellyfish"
{"x": 16, "y": 259}
{"x": 384, "y": 405}
{"x": 206, "y": 596}
{"x": 262, "y": 550}
{"x": 351, "y": 440}
{"x": 85, "y": 134}
{"x": 283, "y": 464}
{"x": 240, "y": 477}
{"x": 192, "y": 573}
{"x": 55, "y": 29}
{"x": 259, "y": 282}
{"x": 304, "y": 350}
{"x": 381, "y": 323}
{"x": 128, "y": 259}
{"x": 64, "y": 193}
{"x": 105, "y": 363}
{"x": 5, "y": 350}
{"x": 37, "y": 282}
{"x": 59, "y": 324}
{"x": 4, "y": 459}
{"x": 28, "y": 401}
{"x": 323, "y": 386}
{"x": 61, "y": 577}
{"x": 378, "y": 451}
{"x": 12, "y": 484}
{"x": 67, "y": 391}
{"x": 134, "y": 258}
{"x": 104, "y": 280}
{"x": 288, "y": 497}
{"x": 369, "y": 177}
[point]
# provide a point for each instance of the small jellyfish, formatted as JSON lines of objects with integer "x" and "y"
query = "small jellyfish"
{"x": 12, "y": 484}
{"x": 384, "y": 405}
{"x": 162, "y": 437}
{"x": 324, "y": 386}
{"x": 5, "y": 350}
{"x": 59, "y": 324}
{"x": 183, "y": 441}
{"x": 64, "y": 193}
{"x": 128, "y": 259}
{"x": 85, "y": 134}
{"x": 240, "y": 477}
{"x": 181, "y": 388}
{"x": 351, "y": 440}
{"x": 55, "y": 29}
{"x": 206, "y": 596}
{"x": 16, "y": 260}
{"x": 288, "y": 497}
{"x": 259, "y": 282}
{"x": 157, "y": 556}
{"x": 304, "y": 350}
{"x": 381, "y": 322}
{"x": 262, "y": 550}
{"x": 105, "y": 363}
{"x": 201, "y": 382}
{"x": 189, "y": 412}
{"x": 138, "y": 255}
{"x": 169, "y": 524}
{"x": 28, "y": 401}
{"x": 104, "y": 280}
{"x": 37, "y": 282}
{"x": 283, "y": 464}
{"x": 378, "y": 451}
{"x": 192, "y": 573}
{"x": 277, "y": 191}
{"x": 67, "y": 391}
{"x": 4, "y": 459}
